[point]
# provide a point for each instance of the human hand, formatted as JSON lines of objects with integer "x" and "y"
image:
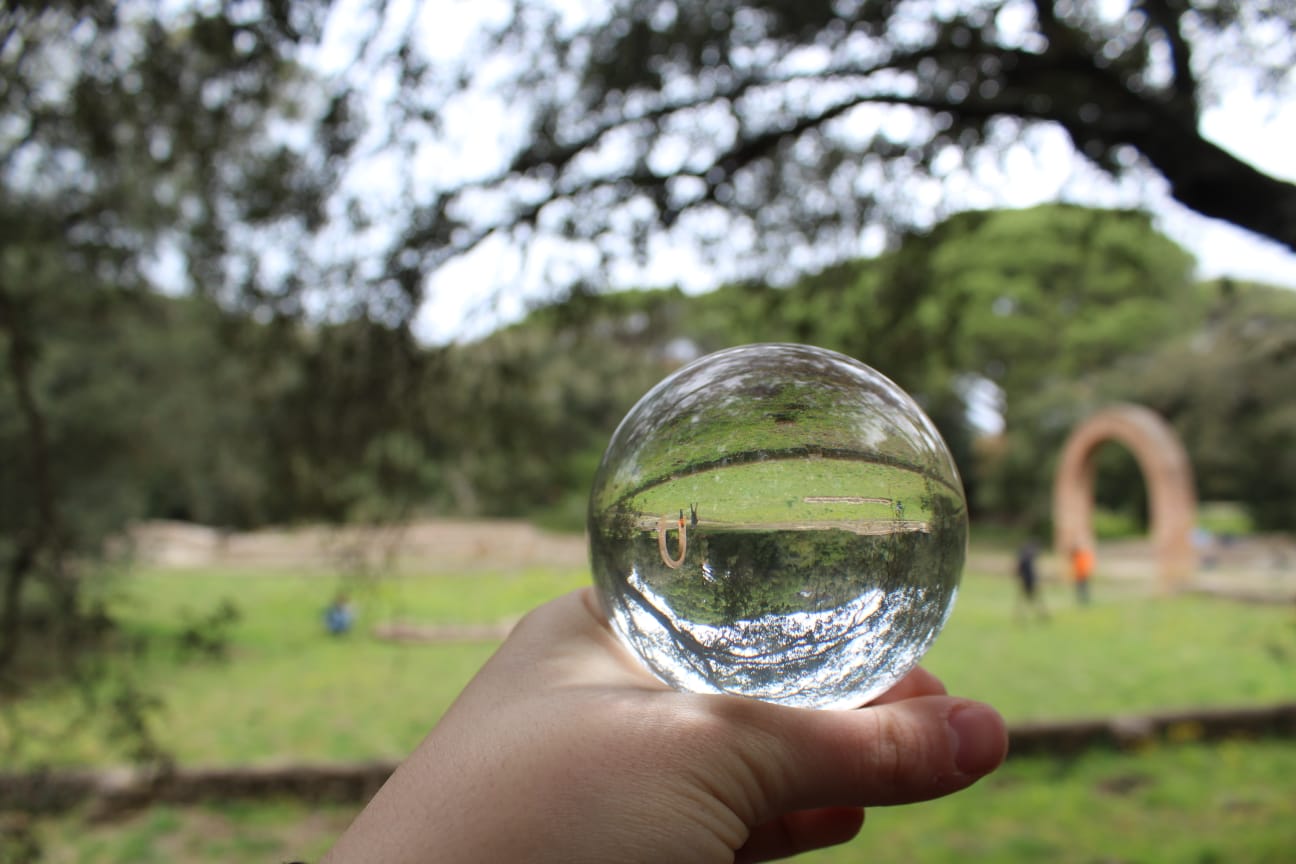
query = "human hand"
{"x": 564, "y": 749}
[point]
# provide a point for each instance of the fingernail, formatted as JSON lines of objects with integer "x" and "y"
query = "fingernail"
{"x": 981, "y": 741}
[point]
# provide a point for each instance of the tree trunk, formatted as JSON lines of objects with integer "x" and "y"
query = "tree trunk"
{"x": 41, "y": 535}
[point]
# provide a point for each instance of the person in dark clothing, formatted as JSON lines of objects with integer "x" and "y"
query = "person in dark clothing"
{"x": 1028, "y": 598}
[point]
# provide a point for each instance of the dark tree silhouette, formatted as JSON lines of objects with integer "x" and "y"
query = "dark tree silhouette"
{"x": 760, "y": 126}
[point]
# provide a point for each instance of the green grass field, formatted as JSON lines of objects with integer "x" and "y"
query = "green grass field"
{"x": 288, "y": 691}
{"x": 1186, "y": 804}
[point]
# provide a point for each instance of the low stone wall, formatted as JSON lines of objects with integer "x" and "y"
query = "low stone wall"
{"x": 108, "y": 793}
{"x": 425, "y": 546}
{"x": 1135, "y": 731}
{"x": 112, "y": 791}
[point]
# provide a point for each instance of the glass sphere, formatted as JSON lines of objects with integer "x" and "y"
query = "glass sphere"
{"x": 780, "y": 522}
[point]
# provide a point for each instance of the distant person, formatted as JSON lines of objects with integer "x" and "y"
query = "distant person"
{"x": 1082, "y": 567}
{"x": 1204, "y": 542}
{"x": 564, "y": 749}
{"x": 1028, "y": 580}
{"x": 339, "y": 616}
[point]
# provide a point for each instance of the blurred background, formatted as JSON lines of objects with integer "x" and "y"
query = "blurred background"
{"x": 317, "y": 316}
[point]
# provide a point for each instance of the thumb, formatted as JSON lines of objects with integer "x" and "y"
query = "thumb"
{"x": 895, "y": 753}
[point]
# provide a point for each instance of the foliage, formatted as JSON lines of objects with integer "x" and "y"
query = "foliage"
{"x": 129, "y": 140}
{"x": 1218, "y": 378}
{"x": 349, "y": 421}
{"x": 204, "y": 414}
{"x": 176, "y": 408}
{"x": 203, "y": 149}
{"x": 772, "y": 134}
{"x": 1027, "y": 306}
{"x": 134, "y": 136}
{"x": 179, "y": 408}
{"x": 1226, "y": 389}
{"x": 529, "y": 409}
{"x": 1033, "y": 298}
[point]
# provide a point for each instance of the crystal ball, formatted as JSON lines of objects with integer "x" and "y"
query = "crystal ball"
{"x": 780, "y": 522}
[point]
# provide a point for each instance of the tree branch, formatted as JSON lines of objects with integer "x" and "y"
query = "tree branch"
{"x": 558, "y": 157}
{"x": 1168, "y": 21}
{"x": 1064, "y": 84}
{"x": 1212, "y": 181}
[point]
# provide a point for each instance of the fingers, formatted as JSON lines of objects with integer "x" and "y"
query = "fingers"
{"x": 919, "y": 682}
{"x": 891, "y": 753}
{"x": 914, "y": 743}
{"x": 570, "y": 639}
{"x": 799, "y": 832}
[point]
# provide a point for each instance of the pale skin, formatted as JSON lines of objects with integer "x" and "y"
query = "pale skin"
{"x": 563, "y": 749}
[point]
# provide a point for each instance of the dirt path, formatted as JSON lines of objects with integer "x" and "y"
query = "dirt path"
{"x": 426, "y": 546}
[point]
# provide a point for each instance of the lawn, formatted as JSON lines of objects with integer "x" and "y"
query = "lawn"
{"x": 287, "y": 691}
{"x": 1186, "y": 804}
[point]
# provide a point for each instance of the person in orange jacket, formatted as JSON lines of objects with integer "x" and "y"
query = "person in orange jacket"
{"x": 1082, "y": 566}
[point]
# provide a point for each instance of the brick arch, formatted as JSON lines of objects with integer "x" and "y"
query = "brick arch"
{"x": 1172, "y": 498}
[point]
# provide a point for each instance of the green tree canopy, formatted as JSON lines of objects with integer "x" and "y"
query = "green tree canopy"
{"x": 1220, "y": 377}
{"x": 997, "y": 306}
{"x": 1226, "y": 388}
{"x": 131, "y": 142}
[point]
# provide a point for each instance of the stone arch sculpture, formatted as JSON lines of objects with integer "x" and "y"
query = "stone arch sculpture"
{"x": 1172, "y": 498}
